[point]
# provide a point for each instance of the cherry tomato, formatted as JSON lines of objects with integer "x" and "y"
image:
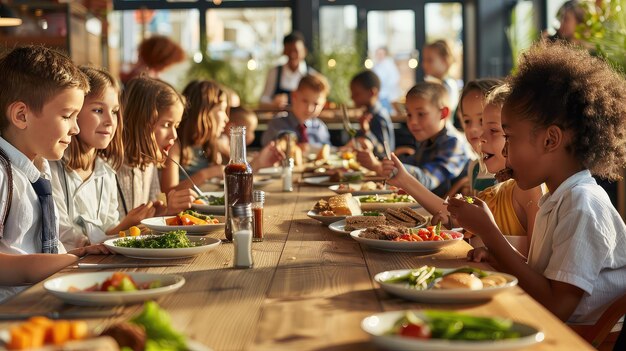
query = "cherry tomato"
{"x": 415, "y": 331}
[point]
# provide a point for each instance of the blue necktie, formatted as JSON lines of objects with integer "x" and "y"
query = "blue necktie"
{"x": 49, "y": 235}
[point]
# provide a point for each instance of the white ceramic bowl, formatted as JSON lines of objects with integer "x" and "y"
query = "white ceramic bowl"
{"x": 59, "y": 287}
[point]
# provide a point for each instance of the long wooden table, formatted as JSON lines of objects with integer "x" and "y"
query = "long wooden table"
{"x": 309, "y": 289}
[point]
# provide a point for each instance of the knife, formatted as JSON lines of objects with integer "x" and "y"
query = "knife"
{"x": 83, "y": 265}
{"x": 61, "y": 315}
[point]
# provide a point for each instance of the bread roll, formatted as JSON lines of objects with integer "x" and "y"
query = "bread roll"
{"x": 344, "y": 205}
{"x": 324, "y": 153}
{"x": 460, "y": 281}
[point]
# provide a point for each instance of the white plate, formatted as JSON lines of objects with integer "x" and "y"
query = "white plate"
{"x": 206, "y": 244}
{"x": 59, "y": 287}
{"x": 326, "y": 220}
{"x": 356, "y": 190}
{"x": 157, "y": 224}
{"x": 210, "y": 209}
{"x": 339, "y": 227}
{"x": 404, "y": 246}
{"x": 441, "y": 295}
{"x": 377, "y": 325}
{"x": 381, "y": 206}
{"x": 275, "y": 172}
{"x": 325, "y": 181}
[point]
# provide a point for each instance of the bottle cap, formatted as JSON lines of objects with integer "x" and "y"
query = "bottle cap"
{"x": 258, "y": 196}
{"x": 241, "y": 210}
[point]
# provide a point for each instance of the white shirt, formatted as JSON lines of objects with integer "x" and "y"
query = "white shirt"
{"x": 289, "y": 80}
{"x": 137, "y": 186}
{"x": 580, "y": 239}
{"x": 87, "y": 208}
{"x": 389, "y": 76}
{"x": 21, "y": 234}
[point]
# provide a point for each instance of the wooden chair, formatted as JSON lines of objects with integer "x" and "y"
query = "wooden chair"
{"x": 600, "y": 332}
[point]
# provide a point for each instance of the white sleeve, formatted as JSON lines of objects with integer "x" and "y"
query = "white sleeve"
{"x": 112, "y": 216}
{"x": 580, "y": 246}
{"x": 270, "y": 85}
{"x": 67, "y": 233}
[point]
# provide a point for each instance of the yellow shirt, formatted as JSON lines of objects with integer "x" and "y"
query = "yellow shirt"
{"x": 499, "y": 199}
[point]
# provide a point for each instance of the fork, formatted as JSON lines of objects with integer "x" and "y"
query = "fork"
{"x": 348, "y": 127}
{"x": 195, "y": 187}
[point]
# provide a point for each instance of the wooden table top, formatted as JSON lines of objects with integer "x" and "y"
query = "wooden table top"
{"x": 309, "y": 289}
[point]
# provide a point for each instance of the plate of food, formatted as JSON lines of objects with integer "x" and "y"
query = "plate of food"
{"x": 209, "y": 202}
{"x": 403, "y": 239}
{"x": 367, "y": 188}
{"x": 443, "y": 285}
{"x": 192, "y": 222}
{"x": 151, "y": 329}
{"x": 403, "y": 217}
{"x": 173, "y": 244}
{"x": 334, "y": 209}
{"x": 431, "y": 330}
{"x": 382, "y": 202}
{"x": 339, "y": 227}
{"x": 336, "y": 178}
{"x": 274, "y": 172}
{"x": 112, "y": 288}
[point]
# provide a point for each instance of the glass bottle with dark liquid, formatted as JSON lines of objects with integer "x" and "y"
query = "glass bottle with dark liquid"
{"x": 237, "y": 176}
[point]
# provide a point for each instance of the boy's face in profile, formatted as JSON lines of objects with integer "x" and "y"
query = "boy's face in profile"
{"x": 424, "y": 119}
{"x": 433, "y": 64}
{"x": 295, "y": 52}
{"x": 361, "y": 96}
{"x": 49, "y": 132}
{"x": 307, "y": 103}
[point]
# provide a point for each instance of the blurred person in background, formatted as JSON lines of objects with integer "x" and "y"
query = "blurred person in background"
{"x": 570, "y": 14}
{"x": 282, "y": 80}
{"x": 387, "y": 71}
{"x": 155, "y": 55}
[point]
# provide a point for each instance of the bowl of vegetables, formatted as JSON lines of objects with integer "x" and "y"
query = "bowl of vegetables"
{"x": 447, "y": 330}
{"x": 106, "y": 288}
{"x": 194, "y": 223}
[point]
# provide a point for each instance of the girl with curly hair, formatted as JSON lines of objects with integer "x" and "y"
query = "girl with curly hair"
{"x": 564, "y": 121}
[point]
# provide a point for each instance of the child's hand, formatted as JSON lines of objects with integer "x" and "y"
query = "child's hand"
{"x": 474, "y": 217}
{"x": 367, "y": 160}
{"x": 179, "y": 200}
{"x": 397, "y": 177}
{"x": 280, "y": 100}
{"x": 479, "y": 254}
{"x": 98, "y": 249}
{"x": 364, "y": 121}
{"x": 268, "y": 156}
{"x": 138, "y": 213}
{"x": 443, "y": 218}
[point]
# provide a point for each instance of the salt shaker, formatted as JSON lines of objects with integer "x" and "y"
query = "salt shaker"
{"x": 241, "y": 221}
{"x": 258, "y": 198}
{"x": 288, "y": 174}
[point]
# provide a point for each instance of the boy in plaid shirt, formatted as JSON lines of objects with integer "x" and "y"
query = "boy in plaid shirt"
{"x": 441, "y": 152}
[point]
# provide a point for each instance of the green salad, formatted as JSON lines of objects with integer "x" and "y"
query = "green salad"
{"x": 160, "y": 333}
{"x": 216, "y": 200}
{"x": 171, "y": 240}
{"x": 452, "y": 326}
{"x": 386, "y": 199}
{"x": 421, "y": 278}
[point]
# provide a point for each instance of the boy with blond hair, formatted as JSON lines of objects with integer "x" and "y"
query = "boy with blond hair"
{"x": 441, "y": 153}
{"x": 41, "y": 93}
{"x": 307, "y": 103}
